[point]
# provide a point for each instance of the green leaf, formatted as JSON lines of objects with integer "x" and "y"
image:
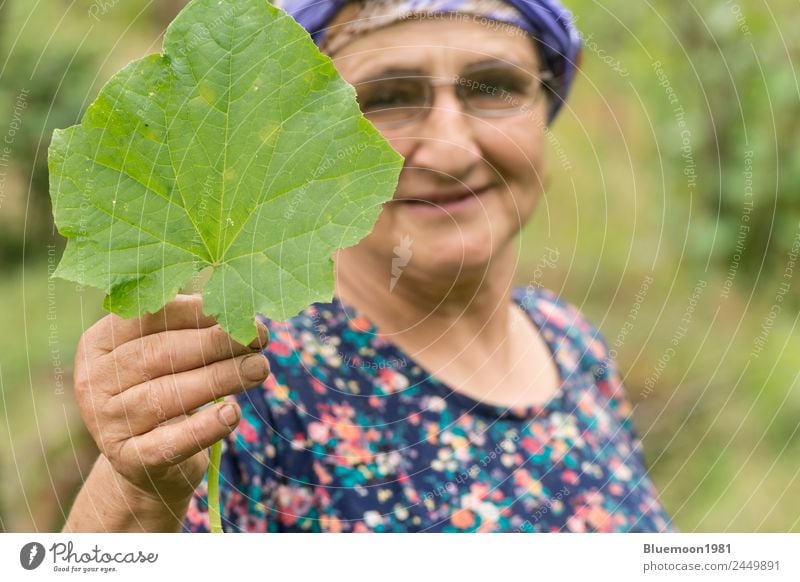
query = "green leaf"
{"x": 240, "y": 149}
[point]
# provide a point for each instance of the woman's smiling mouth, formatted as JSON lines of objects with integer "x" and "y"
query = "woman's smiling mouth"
{"x": 444, "y": 203}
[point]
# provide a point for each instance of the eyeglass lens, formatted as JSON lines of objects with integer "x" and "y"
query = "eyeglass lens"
{"x": 488, "y": 90}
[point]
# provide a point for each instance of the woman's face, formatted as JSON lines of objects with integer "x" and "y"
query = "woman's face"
{"x": 452, "y": 150}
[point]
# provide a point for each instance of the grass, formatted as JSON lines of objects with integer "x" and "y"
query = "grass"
{"x": 44, "y": 446}
{"x": 718, "y": 420}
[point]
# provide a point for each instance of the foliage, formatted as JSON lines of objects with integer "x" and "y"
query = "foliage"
{"x": 239, "y": 149}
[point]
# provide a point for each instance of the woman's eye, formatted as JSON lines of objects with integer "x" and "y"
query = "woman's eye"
{"x": 495, "y": 86}
{"x": 386, "y": 99}
{"x": 390, "y": 95}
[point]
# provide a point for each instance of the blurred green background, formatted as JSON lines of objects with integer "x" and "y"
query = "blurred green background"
{"x": 672, "y": 219}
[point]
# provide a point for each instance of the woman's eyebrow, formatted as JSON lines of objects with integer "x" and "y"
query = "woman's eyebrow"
{"x": 393, "y": 72}
{"x": 501, "y": 62}
{"x": 416, "y": 72}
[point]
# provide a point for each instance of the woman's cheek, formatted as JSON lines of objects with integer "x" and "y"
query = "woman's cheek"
{"x": 402, "y": 146}
{"x": 530, "y": 177}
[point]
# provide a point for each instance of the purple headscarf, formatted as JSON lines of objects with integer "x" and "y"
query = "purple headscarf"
{"x": 548, "y": 21}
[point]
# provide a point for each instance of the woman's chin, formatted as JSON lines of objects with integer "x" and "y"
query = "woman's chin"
{"x": 450, "y": 263}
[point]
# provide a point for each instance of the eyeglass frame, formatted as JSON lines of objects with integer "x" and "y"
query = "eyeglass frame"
{"x": 544, "y": 77}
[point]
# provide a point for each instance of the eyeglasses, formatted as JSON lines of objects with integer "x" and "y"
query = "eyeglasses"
{"x": 488, "y": 90}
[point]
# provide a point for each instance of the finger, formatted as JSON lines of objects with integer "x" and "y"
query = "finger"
{"x": 146, "y": 406}
{"x": 171, "y": 352}
{"x": 174, "y": 442}
{"x": 183, "y": 312}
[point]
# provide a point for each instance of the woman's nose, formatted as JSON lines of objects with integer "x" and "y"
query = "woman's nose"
{"x": 447, "y": 139}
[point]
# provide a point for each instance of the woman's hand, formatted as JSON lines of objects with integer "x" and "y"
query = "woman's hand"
{"x": 137, "y": 382}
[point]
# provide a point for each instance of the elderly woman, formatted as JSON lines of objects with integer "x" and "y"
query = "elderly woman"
{"x": 430, "y": 394}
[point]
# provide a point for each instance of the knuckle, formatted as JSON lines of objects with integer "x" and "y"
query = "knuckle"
{"x": 154, "y": 351}
{"x": 89, "y": 401}
{"x": 87, "y": 368}
{"x": 83, "y": 343}
{"x": 107, "y": 410}
{"x": 86, "y": 362}
{"x": 159, "y": 395}
{"x": 80, "y": 381}
{"x": 220, "y": 379}
{"x": 150, "y": 350}
{"x": 93, "y": 333}
{"x": 221, "y": 342}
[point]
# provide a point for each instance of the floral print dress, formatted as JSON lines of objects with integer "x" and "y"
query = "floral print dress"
{"x": 348, "y": 434}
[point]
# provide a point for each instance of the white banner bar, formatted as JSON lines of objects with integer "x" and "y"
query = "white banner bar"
{"x": 389, "y": 557}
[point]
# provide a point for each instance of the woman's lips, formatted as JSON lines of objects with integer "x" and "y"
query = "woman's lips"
{"x": 444, "y": 205}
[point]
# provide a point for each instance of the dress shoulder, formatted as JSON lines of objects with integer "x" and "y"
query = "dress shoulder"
{"x": 585, "y": 341}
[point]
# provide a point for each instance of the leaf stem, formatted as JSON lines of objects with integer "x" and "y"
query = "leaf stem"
{"x": 214, "y": 514}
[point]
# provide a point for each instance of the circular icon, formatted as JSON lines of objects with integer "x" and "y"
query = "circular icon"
{"x": 31, "y": 555}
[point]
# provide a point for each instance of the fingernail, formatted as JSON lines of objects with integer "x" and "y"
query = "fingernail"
{"x": 254, "y": 367}
{"x": 228, "y": 415}
{"x": 263, "y": 336}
